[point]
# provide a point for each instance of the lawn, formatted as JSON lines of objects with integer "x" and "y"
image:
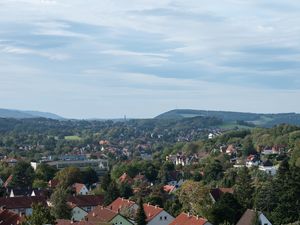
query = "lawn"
{"x": 73, "y": 138}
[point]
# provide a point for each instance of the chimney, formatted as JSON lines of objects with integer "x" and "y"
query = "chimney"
{"x": 93, "y": 214}
{"x": 111, "y": 207}
{"x": 197, "y": 217}
{"x": 156, "y": 206}
{"x": 188, "y": 214}
{"x": 148, "y": 203}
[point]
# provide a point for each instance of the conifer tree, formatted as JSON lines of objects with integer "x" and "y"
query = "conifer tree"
{"x": 140, "y": 217}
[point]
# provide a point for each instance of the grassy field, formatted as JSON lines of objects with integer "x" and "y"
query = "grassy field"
{"x": 232, "y": 125}
{"x": 73, "y": 138}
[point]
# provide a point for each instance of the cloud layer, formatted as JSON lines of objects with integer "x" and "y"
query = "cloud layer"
{"x": 109, "y": 58}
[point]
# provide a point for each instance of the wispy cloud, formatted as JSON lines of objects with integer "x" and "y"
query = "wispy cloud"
{"x": 188, "y": 53}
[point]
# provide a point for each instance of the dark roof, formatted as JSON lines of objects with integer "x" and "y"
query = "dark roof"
{"x": 86, "y": 200}
{"x": 216, "y": 193}
{"x": 28, "y": 192}
{"x": 9, "y": 218}
{"x": 21, "y": 202}
{"x": 247, "y": 218}
{"x": 267, "y": 163}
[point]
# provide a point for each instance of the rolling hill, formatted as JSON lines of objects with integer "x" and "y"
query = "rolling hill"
{"x": 18, "y": 114}
{"x": 259, "y": 119}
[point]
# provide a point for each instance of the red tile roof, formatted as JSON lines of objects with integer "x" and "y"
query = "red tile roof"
{"x": 120, "y": 203}
{"x": 21, "y": 202}
{"x": 101, "y": 214}
{"x": 186, "y": 219}
{"x": 125, "y": 178}
{"x": 86, "y": 200}
{"x": 82, "y": 222}
{"x": 9, "y": 218}
{"x": 78, "y": 187}
{"x": 169, "y": 188}
{"x": 151, "y": 211}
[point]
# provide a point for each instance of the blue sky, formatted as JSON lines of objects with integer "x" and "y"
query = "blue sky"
{"x": 109, "y": 58}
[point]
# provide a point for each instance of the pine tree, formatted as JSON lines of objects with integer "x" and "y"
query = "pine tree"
{"x": 60, "y": 208}
{"x": 140, "y": 217}
{"x": 243, "y": 189}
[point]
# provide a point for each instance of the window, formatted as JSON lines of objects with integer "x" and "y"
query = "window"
{"x": 165, "y": 218}
{"x": 160, "y": 218}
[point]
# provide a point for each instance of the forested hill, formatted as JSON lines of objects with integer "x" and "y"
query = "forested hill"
{"x": 18, "y": 114}
{"x": 266, "y": 120}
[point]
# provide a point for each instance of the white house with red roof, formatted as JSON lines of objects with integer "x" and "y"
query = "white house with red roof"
{"x": 156, "y": 215}
{"x": 80, "y": 189}
{"x": 124, "y": 206}
{"x": 188, "y": 219}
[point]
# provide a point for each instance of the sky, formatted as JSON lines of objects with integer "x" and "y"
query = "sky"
{"x": 139, "y": 58}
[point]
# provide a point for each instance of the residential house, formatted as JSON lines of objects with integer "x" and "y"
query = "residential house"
{"x": 80, "y": 189}
{"x": 124, "y": 206}
{"x": 72, "y": 222}
{"x": 77, "y": 212}
{"x": 251, "y": 217}
{"x": 176, "y": 183}
{"x": 10, "y": 218}
{"x": 125, "y": 178}
{"x": 156, "y": 215}
{"x": 268, "y": 167}
{"x": 188, "y": 219}
{"x": 230, "y": 150}
{"x": 86, "y": 202}
{"x": 169, "y": 188}
{"x": 18, "y": 192}
{"x": 253, "y": 160}
{"x": 21, "y": 205}
{"x": 102, "y": 214}
{"x": 216, "y": 193}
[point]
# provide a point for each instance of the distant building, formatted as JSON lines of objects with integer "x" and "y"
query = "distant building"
{"x": 80, "y": 189}
{"x": 99, "y": 165}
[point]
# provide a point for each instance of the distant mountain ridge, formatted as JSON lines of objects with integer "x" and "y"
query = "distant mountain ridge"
{"x": 259, "y": 119}
{"x": 20, "y": 114}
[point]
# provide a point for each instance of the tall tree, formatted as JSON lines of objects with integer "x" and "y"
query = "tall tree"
{"x": 40, "y": 215}
{"x": 60, "y": 208}
{"x": 243, "y": 189}
{"x": 68, "y": 176}
{"x": 23, "y": 175}
{"x": 227, "y": 210}
{"x": 45, "y": 172}
{"x": 89, "y": 176}
{"x": 140, "y": 217}
{"x": 194, "y": 198}
{"x": 112, "y": 193}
